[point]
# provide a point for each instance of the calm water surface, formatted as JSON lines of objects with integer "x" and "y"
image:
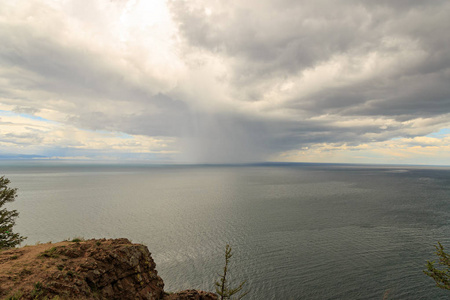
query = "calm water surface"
{"x": 298, "y": 231}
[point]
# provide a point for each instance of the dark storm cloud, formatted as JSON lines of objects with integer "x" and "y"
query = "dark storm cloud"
{"x": 266, "y": 41}
{"x": 161, "y": 116}
{"x": 266, "y": 36}
{"x": 423, "y": 95}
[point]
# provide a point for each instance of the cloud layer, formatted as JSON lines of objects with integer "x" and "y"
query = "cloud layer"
{"x": 209, "y": 81}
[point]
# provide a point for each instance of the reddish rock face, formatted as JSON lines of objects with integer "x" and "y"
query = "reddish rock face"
{"x": 93, "y": 269}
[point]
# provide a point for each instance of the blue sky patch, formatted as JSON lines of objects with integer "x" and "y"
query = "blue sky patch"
{"x": 440, "y": 134}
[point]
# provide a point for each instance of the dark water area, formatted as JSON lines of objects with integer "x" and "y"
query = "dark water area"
{"x": 298, "y": 231}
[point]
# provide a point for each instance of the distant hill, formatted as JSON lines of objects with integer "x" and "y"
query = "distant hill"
{"x": 19, "y": 156}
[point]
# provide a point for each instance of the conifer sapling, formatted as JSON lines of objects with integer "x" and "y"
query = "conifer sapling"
{"x": 222, "y": 285}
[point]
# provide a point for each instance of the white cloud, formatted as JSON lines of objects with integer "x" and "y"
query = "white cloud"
{"x": 25, "y": 135}
{"x": 417, "y": 150}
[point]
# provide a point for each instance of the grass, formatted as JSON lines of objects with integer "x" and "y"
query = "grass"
{"x": 51, "y": 253}
{"x": 38, "y": 290}
{"x": 16, "y": 296}
{"x": 25, "y": 272}
{"x": 70, "y": 273}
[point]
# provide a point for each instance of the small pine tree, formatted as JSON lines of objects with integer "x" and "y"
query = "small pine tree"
{"x": 222, "y": 288}
{"x": 441, "y": 277}
{"x": 8, "y": 239}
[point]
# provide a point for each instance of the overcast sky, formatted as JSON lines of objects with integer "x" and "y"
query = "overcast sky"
{"x": 205, "y": 81}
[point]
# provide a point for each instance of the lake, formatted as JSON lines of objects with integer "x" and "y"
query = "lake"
{"x": 298, "y": 231}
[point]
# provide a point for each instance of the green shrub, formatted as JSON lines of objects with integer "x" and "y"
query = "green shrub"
{"x": 77, "y": 240}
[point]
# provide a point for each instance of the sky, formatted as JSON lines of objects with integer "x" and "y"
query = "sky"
{"x": 206, "y": 81}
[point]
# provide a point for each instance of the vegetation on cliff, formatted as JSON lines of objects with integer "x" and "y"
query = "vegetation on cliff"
{"x": 8, "y": 217}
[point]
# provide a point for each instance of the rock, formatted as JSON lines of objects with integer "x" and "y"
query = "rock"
{"x": 93, "y": 269}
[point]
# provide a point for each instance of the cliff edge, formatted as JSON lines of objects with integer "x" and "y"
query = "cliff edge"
{"x": 93, "y": 269}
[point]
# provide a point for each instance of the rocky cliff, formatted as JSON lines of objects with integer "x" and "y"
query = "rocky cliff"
{"x": 93, "y": 269}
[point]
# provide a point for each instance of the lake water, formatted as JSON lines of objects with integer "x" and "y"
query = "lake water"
{"x": 298, "y": 231}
